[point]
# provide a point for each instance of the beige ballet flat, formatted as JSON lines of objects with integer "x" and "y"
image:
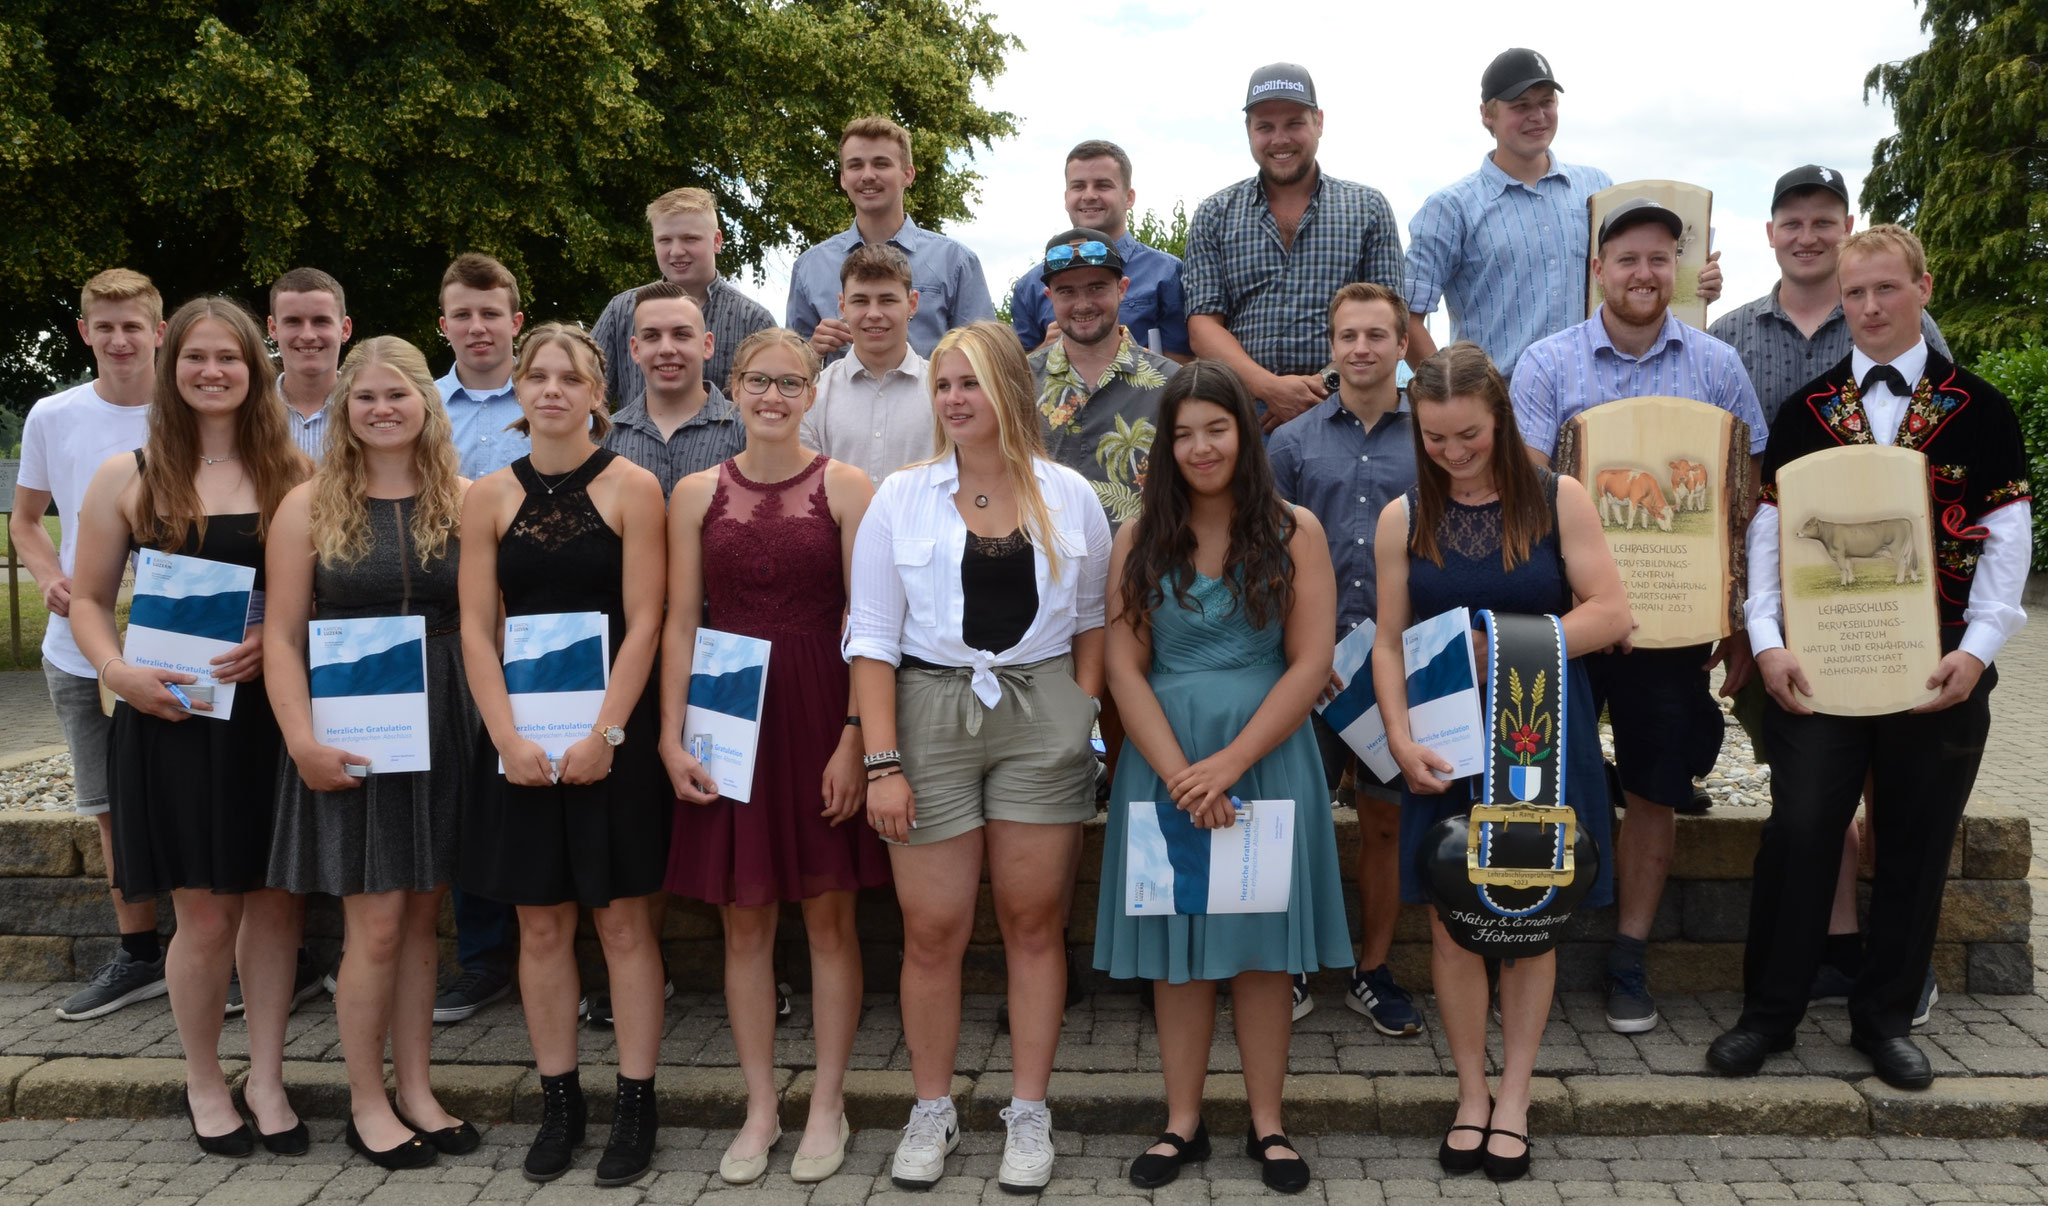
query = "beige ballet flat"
{"x": 816, "y": 1168}
{"x": 745, "y": 1170}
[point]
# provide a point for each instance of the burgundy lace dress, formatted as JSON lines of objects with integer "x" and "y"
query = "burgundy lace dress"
{"x": 772, "y": 569}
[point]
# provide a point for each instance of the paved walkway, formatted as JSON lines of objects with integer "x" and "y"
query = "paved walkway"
{"x": 114, "y": 1162}
{"x": 27, "y": 721}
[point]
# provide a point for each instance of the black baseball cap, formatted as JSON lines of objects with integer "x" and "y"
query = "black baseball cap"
{"x": 1811, "y": 175}
{"x": 1514, "y": 72}
{"x": 1636, "y": 212}
{"x": 1083, "y": 235}
{"x": 1281, "y": 81}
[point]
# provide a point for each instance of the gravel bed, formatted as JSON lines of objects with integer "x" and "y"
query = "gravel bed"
{"x": 43, "y": 786}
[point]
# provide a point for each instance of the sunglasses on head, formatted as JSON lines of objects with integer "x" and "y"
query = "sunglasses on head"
{"x": 1094, "y": 251}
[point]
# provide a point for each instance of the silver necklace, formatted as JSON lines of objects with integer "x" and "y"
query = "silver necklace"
{"x": 560, "y": 482}
{"x": 220, "y": 460}
{"x": 981, "y": 500}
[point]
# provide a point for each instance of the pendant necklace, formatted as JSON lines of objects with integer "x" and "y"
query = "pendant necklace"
{"x": 559, "y": 482}
{"x": 981, "y": 500}
{"x": 220, "y": 460}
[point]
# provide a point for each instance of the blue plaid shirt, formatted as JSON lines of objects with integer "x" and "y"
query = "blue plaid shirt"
{"x": 1579, "y": 368}
{"x": 1507, "y": 258}
{"x": 1152, "y": 308}
{"x": 951, "y": 291}
{"x": 1275, "y": 299}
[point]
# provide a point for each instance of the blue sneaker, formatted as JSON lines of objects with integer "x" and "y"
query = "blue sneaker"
{"x": 1630, "y": 1008}
{"x": 1384, "y": 1003}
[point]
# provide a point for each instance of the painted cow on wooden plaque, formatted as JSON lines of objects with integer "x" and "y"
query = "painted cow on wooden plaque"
{"x": 1623, "y": 494}
{"x": 1688, "y": 485}
{"x": 1848, "y": 542}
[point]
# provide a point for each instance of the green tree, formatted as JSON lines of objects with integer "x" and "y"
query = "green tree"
{"x": 1168, "y": 233}
{"x": 2021, "y": 374}
{"x": 1968, "y": 169}
{"x": 214, "y": 143}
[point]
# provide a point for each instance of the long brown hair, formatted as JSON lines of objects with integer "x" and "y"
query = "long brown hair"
{"x": 167, "y": 505}
{"x": 997, "y": 360}
{"x": 340, "y": 520}
{"x": 1257, "y": 570}
{"x": 1462, "y": 370}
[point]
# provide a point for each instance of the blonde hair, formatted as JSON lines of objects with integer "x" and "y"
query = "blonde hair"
{"x": 997, "y": 360}
{"x": 682, "y": 201}
{"x": 340, "y": 521}
{"x": 877, "y": 127}
{"x": 1883, "y": 237}
{"x": 167, "y": 506}
{"x": 119, "y": 285}
{"x": 771, "y": 337}
{"x": 584, "y": 352}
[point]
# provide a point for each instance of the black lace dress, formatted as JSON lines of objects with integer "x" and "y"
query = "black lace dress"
{"x": 590, "y": 844}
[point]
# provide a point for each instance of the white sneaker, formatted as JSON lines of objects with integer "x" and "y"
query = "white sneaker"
{"x": 1027, "y": 1153}
{"x": 928, "y": 1138}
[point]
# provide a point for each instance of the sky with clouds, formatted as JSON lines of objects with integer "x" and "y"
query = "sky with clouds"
{"x": 1727, "y": 100}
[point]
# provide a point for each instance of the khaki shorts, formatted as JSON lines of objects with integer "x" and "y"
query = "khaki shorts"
{"x": 1026, "y": 759}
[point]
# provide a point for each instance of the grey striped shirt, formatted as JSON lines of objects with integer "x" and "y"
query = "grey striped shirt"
{"x": 1780, "y": 358}
{"x": 705, "y": 439}
{"x": 729, "y": 315}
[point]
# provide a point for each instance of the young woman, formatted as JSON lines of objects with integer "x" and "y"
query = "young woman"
{"x": 975, "y": 633}
{"x": 193, "y": 795}
{"x": 376, "y": 533}
{"x": 1219, "y": 642}
{"x": 572, "y": 528}
{"x": 767, "y": 536}
{"x": 1483, "y": 528}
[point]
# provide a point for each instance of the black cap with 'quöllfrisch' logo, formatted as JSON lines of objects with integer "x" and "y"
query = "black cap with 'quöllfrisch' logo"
{"x": 1811, "y": 175}
{"x": 1281, "y": 81}
{"x": 1514, "y": 72}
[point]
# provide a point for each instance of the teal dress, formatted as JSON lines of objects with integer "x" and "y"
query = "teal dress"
{"x": 1211, "y": 670}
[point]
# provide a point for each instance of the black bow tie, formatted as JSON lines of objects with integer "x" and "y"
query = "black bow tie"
{"x": 1887, "y": 375}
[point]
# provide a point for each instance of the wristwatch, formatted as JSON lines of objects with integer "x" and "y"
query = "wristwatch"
{"x": 613, "y": 735}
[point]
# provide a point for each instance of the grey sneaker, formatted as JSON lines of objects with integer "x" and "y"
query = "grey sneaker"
{"x": 471, "y": 991}
{"x": 122, "y": 980}
{"x": 1929, "y": 995}
{"x": 1630, "y": 1008}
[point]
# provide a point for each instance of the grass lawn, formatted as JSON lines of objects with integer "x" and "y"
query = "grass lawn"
{"x": 34, "y": 616}
{"x": 1874, "y": 575}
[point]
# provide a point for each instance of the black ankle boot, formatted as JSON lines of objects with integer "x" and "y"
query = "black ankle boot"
{"x": 562, "y": 1116}
{"x": 630, "y": 1151}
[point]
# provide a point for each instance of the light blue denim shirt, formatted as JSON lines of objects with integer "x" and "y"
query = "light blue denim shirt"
{"x": 479, "y": 420}
{"x": 951, "y": 291}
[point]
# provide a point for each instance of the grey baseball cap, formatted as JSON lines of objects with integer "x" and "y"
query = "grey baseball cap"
{"x": 1636, "y": 212}
{"x": 1281, "y": 81}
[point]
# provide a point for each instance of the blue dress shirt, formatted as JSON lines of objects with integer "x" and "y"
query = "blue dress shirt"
{"x": 1153, "y": 305}
{"x": 1579, "y": 368}
{"x": 1326, "y": 460}
{"x": 479, "y": 420}
{"x": 951, "y": 291}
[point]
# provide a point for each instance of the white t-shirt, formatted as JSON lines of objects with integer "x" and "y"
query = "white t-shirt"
{"x": 67, "y": 437}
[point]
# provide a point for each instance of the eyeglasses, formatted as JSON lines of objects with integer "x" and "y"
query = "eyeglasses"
{"x": 788, "y": 387}
{"x": 1094, "y": 251}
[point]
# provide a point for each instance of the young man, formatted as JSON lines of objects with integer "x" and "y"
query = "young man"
{"x": 874, "y": 409}
{"x": 66, "y": 437}
{"x": 1097, "y": 388}
{"x": 1667, "y": 728}
{"x": 1265, "y": 254}
{"x": 1506, "y": 246}
{"x": 1891, "y": 389}
{"x": 687, "y": 240}
{"x": 1784, "y": 338}
{"x": 1348, "y": 457}
{"x": 480, "y": 318}
{"x": 874, "y": 170}
{"x": 1099, "y": 197}
{"x": 309, "y": 322}
{"x": 680, "y": 423}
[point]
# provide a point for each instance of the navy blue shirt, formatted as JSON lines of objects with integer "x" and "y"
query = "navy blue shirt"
{"x": 1152, "y": 304}
{"x": 1325, "y": 459}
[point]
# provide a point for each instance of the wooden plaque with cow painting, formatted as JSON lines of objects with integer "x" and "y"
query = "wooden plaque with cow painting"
{"x": 1670, "y": 478}
{"x": 1855, "y": 557}
{"x": 1695, "y": 206}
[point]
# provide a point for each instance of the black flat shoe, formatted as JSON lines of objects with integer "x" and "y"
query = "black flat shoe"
{"x": 1153, "y": 1169}
{"x": 1460, "y": 1160}
{"x": 1503, "y": 1168}
{"x": 458, "y": 1140}
{"x": 1741, "y": 1051}
{"x": 411, "y": 1153}
{"x": 238, "y": 1142}
{"x": 1899, "y": 1063}
{"x": 1281, "y": 1174}
{"x": 292, "y": 1141}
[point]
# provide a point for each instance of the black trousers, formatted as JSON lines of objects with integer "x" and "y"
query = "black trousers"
{"x": 1923, "y": 767}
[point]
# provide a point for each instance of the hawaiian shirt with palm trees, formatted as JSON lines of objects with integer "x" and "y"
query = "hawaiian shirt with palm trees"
{"x": 1104, "y": 430}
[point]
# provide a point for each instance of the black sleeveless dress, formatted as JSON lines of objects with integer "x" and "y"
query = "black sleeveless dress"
{"x": 192, "y": 800}
{"x": 598, "y": 842}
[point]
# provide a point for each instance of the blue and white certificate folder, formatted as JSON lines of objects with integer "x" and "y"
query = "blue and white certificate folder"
{"x": 186, "y": 612}
{"x": 368, "y": 681}
{"x": 722, "y": 722}
{"x": 556, "y": 670}
{"x": 1355, "y": 714}
{"x": 1444, "y": 712}
{"x": 1171, "y": 867}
